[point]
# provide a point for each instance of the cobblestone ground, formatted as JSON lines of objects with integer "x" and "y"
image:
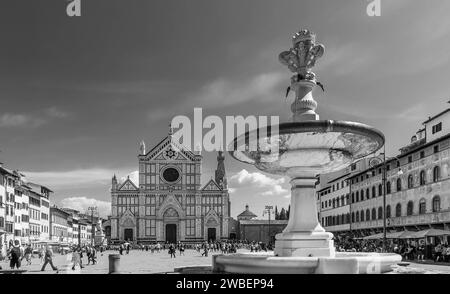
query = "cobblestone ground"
{"x": 144, "y": 262}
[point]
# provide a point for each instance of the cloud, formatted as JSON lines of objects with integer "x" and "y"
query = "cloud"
{"x": 243, "y": 178}
{"x": 276, "y": 190}
{"x": 71, "y": 178}
{"x": 225, "y": 92}
{"x": 82, "y": 203}
{"x": 10, "y": 120}
{"x": 55, "y": 112}
{"x": 258, "y": 181}
{"x": 134, "y": 177}
{"x": 19, "y": 120}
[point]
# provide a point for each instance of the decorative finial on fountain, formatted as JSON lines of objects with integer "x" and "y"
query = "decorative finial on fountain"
{"x": 300, "y": 59}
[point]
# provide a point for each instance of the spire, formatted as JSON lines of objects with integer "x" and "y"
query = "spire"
{"x": 220, "y": 171}
{"x": 170, "y": 129}
{"x": 114, "y": 182}
{"x": 142, "y": 148}
{"x": 246, "y": 207}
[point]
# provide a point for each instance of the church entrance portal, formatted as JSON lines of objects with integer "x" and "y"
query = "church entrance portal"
{"x": 128, "y": 234}
{"x": 171, "y": 233}
{"x": 211, "y": 234}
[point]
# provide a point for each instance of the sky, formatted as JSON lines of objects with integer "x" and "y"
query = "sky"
{"x": 78, "y": 94}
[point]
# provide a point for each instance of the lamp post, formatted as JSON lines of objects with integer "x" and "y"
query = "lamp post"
{"x": 269, "y": 210}
{"x": 92, "y": 209}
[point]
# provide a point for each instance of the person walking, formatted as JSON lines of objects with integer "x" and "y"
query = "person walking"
{"x": 172, "y": 251}
{"x": 15, "y": 254}
{"x": 76, "y": 258}
{"x": 205, "y": 250}
{"x": 181, "y": 249}
{"x": 49, "y": 259}
{"x": 27, "y": 254}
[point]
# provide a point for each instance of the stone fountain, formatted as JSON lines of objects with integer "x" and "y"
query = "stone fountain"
{"x": 303, "y": 149}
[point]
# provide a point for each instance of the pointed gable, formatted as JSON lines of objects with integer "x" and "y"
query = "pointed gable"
{"x": 211, "y": 186}
{"x": 128, "y": 185}
{"x": 168, "y": 149}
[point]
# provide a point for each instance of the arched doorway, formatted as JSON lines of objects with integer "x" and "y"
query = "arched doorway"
{"x": 128, "y": 234}
{"x": 171, "y": 224}
{"x": 211, "y": 234}
{"x": 171, "y": 233}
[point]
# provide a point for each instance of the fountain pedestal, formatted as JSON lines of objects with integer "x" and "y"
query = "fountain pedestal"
{"x": 303, "y": 235}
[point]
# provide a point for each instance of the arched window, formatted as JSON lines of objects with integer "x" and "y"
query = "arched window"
{"x": 422, "y": 178}
{"x": 380, "y": 190}
{"x": 436, "y": 173}
{"x": 388, "y": 211}
{"x": 337, "y": 220}
{"x": 410, "y": 208}
{"x": 422, "y": 206}
{"x": 410, "y": 181}
{"x": 380, "y": 212}
{"x": 374, "y": 192}
{"x": 362, "y": 215}
{"x": 357, "y": 196}
{"x": 347, "y": 221}
{"x": 347, "y": 198}
{"x": 342, "y": 200}
{"x": 398, "y": 210}
{"x": 374, "y": 214}
{"x": 388, "y": 188}
{"x": 343, "y": 219}
{"x": 367, "y": 193}
{"x": 353, "y": 197}
{"x": 367, "y": 215}
{"x": 353, "y": 217}
{"x": 334, "y": 203}
{"x": 436, "y": 203}
{"x": 362, "y": 195}
{"x": 399, "y": 184}
{"x": 357, "y": 216}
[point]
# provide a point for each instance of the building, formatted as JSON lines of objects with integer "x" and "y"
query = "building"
{"x": 41, "y": 196}
{"x": 169, "y": 204}
{"x": 254, "y": 230}
{"x": 333, "y": 195}
{"x": 60, "y": 226}
{"x": 8, "y": 181}
{"x": 417, "y": 185}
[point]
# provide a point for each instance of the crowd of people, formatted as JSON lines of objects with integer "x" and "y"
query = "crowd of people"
{"x": 408, "y": 249}
{"x": 16, "y": 254}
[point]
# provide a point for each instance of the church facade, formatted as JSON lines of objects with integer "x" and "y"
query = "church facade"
{"x": 169, "y": 204}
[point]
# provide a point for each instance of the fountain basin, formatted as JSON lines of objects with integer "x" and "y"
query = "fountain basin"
{"x": 307, "y": 147}
{"x": 342, "y": 263}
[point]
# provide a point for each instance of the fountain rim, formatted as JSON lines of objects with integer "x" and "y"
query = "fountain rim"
{"x": 314, "y": 126}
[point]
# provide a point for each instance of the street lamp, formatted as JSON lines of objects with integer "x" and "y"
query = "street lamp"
{"x": 92, "y": 209}
{"x": 384, "y": 180}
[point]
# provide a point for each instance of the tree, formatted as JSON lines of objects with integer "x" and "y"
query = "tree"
{"x": 277, "y": 215}
{"x": 283, "y": 214}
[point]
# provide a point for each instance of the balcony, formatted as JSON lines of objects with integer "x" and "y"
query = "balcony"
{"x": 420, "y": 219}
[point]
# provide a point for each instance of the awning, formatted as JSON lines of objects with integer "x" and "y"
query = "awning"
{"x": 400, "y": 235}
{"x": 373, "y": 237}
{"x": 430, "y": 233}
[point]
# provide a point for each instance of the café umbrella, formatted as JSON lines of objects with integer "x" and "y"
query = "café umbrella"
{"x": 430, "y": 233}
